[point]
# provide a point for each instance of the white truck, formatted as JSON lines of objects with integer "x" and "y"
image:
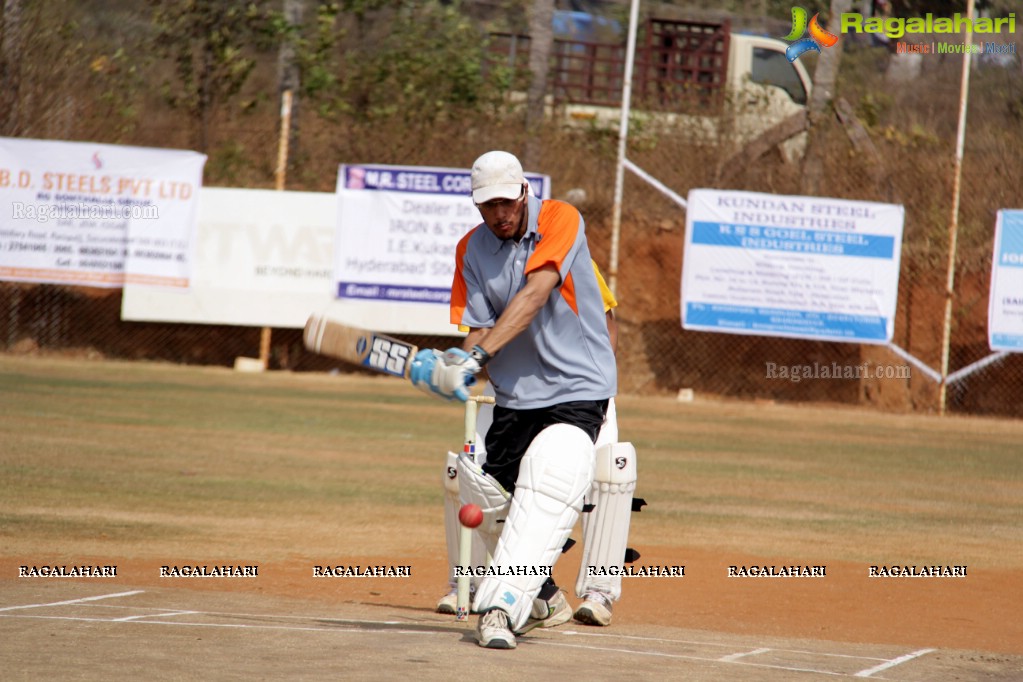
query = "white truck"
{"x": 697, "y": 77}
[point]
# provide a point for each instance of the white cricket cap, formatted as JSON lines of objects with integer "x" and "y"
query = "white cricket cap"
{"x": 496, "y": 175}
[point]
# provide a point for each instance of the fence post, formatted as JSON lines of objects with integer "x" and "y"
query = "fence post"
{"x": 279, "y": 177}
{"x": 953, "y": 223}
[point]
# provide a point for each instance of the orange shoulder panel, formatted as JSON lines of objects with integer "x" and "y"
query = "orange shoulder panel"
{"x": 558, "y": 225}
{"x": 459, "y": 293}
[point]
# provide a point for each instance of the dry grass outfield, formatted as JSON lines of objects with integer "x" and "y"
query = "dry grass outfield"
{"x": 135, "y": 459}
{"x": 142, "y": 465}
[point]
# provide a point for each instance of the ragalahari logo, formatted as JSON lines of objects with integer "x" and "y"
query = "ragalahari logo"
{"x": 817, "y": 39}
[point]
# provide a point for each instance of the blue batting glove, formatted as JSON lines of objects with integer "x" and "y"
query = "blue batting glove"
{"x": 421, "y": 372}
{"x": 447, "y": 375}
{"x": 458, "y": 372}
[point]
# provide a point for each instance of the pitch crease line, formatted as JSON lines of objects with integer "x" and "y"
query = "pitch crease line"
{"x": 641, "y": 638}
{"x": 73, "y": 601}
{"x": 280, "y": 616}
{"x": 153, "y": 615}
{"x": 238, "y": 626}
{"x": 892, "y": 663}
{"x": 660, "y": 654}
{"x": 324, "y": 619}
{"x": 732, "y": 658}
{"x": 288, "y": 628}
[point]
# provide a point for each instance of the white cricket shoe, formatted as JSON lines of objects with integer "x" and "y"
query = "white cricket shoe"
{"x": 595, "y": 609}
{"x": 448, "y": 603}
{"x": 548, "y": 614}
{"x": 559, "y": 611}
{"x": 493, "y": 632}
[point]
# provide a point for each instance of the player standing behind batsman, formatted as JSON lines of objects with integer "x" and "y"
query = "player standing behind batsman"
{"x": 599, "y": 591}
{"x": 525, "y": 287}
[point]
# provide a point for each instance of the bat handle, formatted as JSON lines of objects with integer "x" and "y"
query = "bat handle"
{"x": 471, "y": 410}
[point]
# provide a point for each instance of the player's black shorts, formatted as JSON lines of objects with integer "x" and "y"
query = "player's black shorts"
{"x": 513, "y": 430}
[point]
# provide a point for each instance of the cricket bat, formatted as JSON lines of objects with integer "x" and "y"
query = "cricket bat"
{"x": 369, "y": 349}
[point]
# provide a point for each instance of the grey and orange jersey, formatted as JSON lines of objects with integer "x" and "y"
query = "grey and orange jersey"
{"x": 565, "y": 353}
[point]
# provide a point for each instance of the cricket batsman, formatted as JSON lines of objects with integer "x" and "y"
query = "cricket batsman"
{"x": 524, "y": 285}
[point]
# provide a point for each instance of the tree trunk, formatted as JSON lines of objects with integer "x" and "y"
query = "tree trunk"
{"x": 541, "y": 33}
{"x": 288, "y": 72}
{"x": 205, "y": 97}
{"x": 820, "y": 104}
{"x": 10, "y": 68}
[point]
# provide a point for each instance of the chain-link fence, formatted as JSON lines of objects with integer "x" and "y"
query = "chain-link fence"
{"x": 911, "y": 122}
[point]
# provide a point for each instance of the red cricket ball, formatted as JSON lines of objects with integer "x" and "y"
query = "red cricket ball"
{"x": 470, "y": 515}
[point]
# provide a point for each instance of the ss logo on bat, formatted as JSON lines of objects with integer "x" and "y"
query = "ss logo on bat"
{"x": 388, "y": 357}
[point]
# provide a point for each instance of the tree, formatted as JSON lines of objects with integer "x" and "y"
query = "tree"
{"x": 54, "y": 71}
{"x": 212, "y": 44}
{"x": 541, "y": 31}
{"x": 425, "y": 66}
{"x": 317, "y": 55}
{"x": 821, "y": 102}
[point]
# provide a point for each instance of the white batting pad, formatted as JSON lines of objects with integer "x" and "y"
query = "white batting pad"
{"x": 606, "y": 526}
{"x": 555, "y": 473}
{"x": 452, "y": 526}
{"x": 451, "y": 507}
{"x": 483, "y": 490}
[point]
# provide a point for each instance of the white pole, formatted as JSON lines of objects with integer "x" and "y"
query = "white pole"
{"x": 953, "y": 227}
{"x": 462, "y": 582}
{"x": 463, "y": 586}
{"x": 623, "y": 136}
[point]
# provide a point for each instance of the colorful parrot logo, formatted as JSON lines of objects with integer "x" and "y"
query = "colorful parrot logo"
{"x": 818, "y": 36}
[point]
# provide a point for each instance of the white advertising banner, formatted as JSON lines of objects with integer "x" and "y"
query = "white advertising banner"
{"x": 1005, "y": 306}
{"x": 262, "y": 258}
{"x": 92, "y": 214}
{"x": 791, "y": 266}
{"x": 398, "y": 228}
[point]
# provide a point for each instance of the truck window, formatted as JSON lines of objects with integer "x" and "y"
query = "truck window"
{"x": 770, "y": 67}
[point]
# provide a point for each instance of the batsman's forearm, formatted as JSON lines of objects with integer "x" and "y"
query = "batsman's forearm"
{"x": 517, "y": 316}
{"x": 514, "y": 321}
{"x": 475, "y": 337}
{"x": 511, "y": 324}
